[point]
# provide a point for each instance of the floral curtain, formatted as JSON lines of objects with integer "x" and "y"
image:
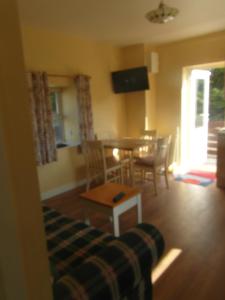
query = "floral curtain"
{"x": 43, "y": 131}
{"x": 85, "y": 107}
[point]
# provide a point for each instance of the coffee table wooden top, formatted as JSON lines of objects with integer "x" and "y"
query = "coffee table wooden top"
{"x": 104, "y": 194}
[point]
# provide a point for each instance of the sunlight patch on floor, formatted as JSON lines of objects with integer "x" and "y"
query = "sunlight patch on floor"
{"x": 165, "y": 263}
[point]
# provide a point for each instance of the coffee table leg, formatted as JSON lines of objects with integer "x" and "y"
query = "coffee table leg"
{"x": 115, "y": 218}
{"x": 139, "y": 208}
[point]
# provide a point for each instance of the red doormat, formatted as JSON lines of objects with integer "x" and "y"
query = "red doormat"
{"x": 197, "y": 177}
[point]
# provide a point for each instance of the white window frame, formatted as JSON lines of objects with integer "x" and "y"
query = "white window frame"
{"x": 57, "y": 116}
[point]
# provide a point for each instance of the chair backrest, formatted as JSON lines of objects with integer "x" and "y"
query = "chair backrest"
{"x": 149, "y": 134}
{"x": 94, "y": 157}
{"x": 162, "y": 151}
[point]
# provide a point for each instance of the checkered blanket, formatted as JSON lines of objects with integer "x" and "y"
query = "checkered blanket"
{"x": 87, "y": 263}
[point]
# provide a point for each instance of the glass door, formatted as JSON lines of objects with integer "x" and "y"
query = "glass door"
{"x": 199, "y": 113}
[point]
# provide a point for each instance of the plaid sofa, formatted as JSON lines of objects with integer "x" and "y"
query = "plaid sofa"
{"x": 87, "y": 263}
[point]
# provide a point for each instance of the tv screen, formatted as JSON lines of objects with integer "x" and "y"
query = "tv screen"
{"x": 130, "y": 80}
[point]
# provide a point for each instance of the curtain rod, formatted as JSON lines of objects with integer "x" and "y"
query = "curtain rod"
{"x": 66, "y": 76}
{"x": 62, "y": 75}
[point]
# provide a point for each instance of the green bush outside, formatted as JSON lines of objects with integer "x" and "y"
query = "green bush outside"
{"x": 217, "y": 95}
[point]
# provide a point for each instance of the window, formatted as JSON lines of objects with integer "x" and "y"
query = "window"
{"x": 64, "y": 112}
{"x": 56, "y": 106}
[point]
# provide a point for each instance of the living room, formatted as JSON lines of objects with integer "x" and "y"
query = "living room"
{"x": 57, "y": 51}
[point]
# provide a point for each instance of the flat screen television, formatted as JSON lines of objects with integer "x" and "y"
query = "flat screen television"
{"x": 130, "y": 80}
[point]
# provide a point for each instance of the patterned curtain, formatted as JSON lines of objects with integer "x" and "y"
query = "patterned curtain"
{"x": 43, "y": 131}
{"x": 85, "y": 107}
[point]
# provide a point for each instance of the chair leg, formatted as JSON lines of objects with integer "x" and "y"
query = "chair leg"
{"x": 166, "y": 178}
{"x": 155, "y": 181}
{"x": 121, "y": 175}
{"x": 105, "y": 177}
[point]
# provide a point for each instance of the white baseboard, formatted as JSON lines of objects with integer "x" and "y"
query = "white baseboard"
{"x": 62, "y": 189}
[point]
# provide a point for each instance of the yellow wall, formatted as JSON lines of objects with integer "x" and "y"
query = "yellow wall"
{"x": 24, "y": 269}
{"x": 55, "y": 52}
{"x": 150, "y": 95}
{"x": 173, "y": 57}
{"x": 150, "y": 98}
{"x": 140, "y": 106}
{"x": 133, "y": 56}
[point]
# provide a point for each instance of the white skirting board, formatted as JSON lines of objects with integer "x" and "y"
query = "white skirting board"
{"x": 62, "y": 189}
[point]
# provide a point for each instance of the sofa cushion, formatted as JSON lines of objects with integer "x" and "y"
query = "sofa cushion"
{"x": 121, "y": 271}
{"x": 70, "y": 242}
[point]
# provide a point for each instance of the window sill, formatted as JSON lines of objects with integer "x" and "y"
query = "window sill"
{"x": 61, "y": 145}
{"x": 66, "y": 145}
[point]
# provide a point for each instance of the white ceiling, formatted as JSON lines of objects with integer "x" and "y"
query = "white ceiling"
{"x": 123, "y": 21}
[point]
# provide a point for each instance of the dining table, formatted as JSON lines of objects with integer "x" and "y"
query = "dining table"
{"x": 130, "y": 145}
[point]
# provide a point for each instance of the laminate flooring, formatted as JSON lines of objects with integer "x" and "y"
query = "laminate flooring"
{"x": 191, "y": 219}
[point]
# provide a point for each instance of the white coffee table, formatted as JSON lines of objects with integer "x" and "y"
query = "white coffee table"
{"x": 100, "y": 199}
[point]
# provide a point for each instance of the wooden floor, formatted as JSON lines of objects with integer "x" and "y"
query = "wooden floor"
{"x": 191, "y": 218}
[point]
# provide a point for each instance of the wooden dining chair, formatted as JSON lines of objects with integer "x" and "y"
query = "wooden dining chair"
{"x": 157, "y": 162}
{"x": 149, "y": 134}
{"x": 146, "y": 150}
{"x": 99, "y": 167}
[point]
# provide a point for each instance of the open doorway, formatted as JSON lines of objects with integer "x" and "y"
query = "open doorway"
{"x": 203, "y": 115}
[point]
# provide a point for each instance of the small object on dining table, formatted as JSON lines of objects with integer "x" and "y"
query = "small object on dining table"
{"x": 118, "y": 197}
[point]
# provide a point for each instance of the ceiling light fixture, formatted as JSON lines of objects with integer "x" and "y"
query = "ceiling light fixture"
{"x": 162, "y": 14}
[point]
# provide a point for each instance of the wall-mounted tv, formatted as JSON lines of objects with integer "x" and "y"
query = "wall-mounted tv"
{"x": 130, "y": 80}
